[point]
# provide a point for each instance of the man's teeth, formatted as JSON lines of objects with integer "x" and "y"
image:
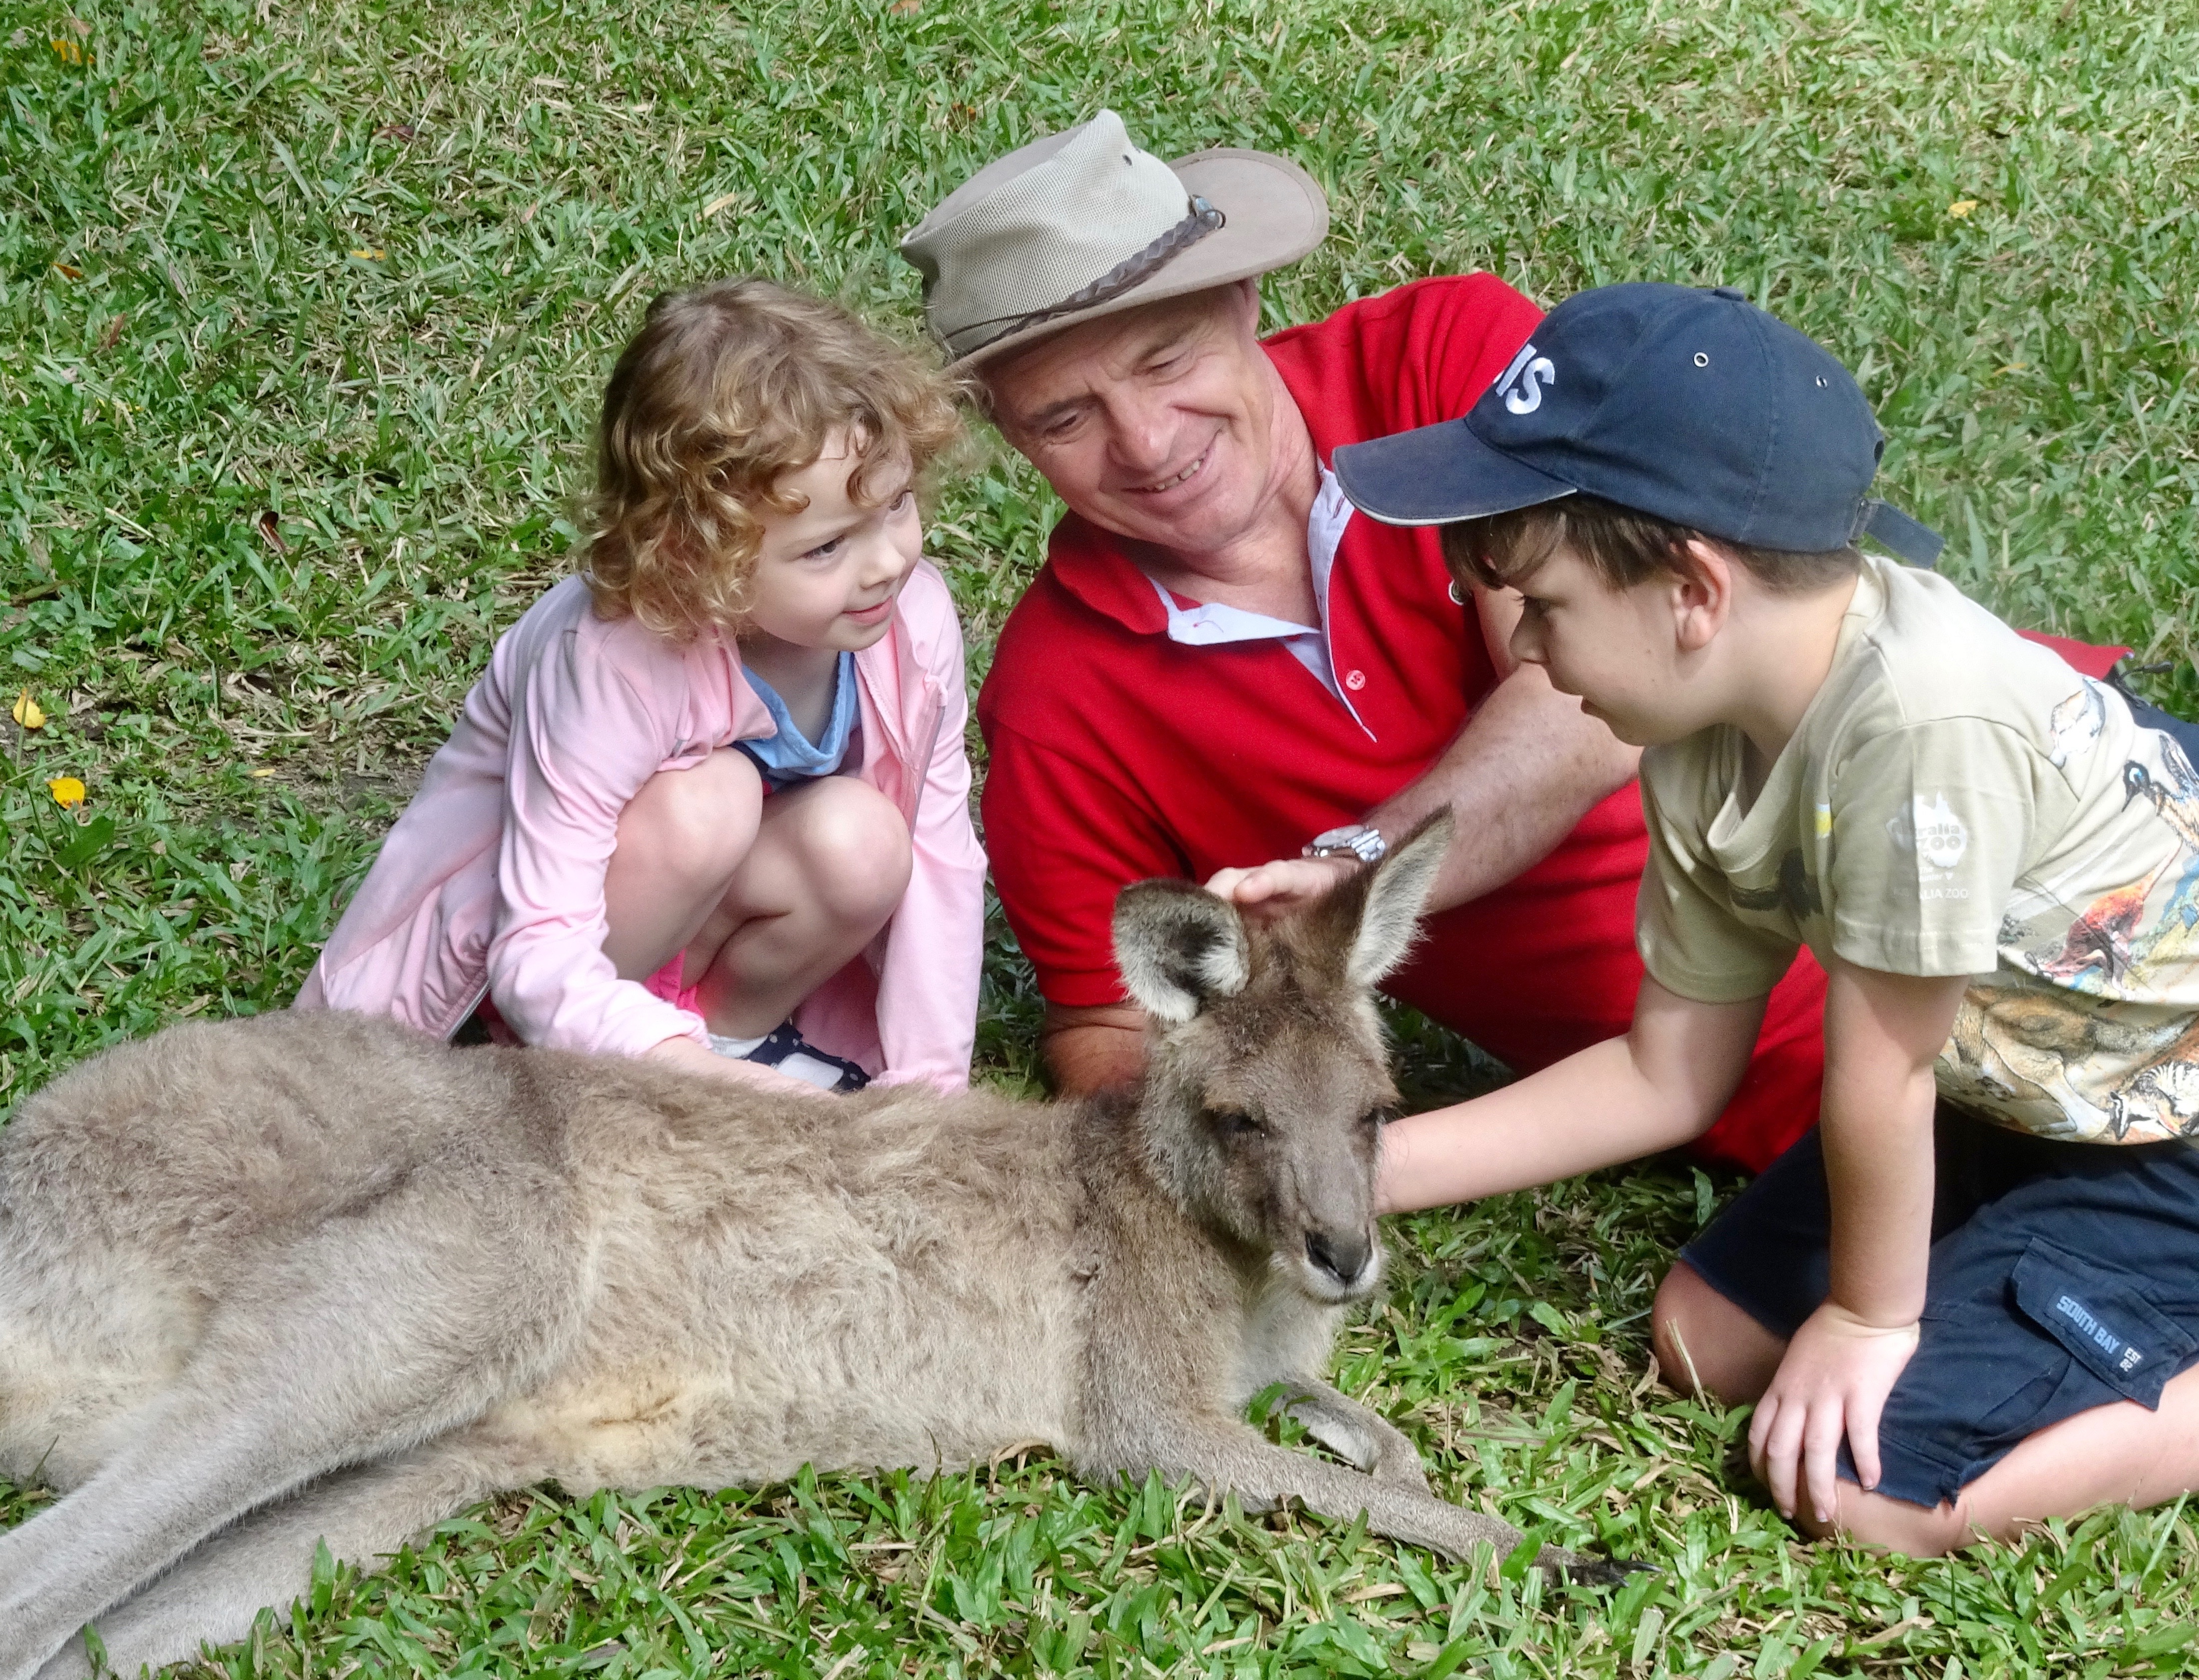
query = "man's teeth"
{"x": 1170, "y": 483}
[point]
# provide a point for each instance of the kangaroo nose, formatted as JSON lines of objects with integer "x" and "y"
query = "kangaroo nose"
{"x": 1343, "y": 1260}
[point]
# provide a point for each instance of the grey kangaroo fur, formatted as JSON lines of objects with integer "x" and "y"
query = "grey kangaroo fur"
{"x": 304, "y": 1277}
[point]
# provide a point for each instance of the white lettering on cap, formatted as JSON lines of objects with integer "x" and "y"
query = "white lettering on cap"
{"x": 1521, "y": 385}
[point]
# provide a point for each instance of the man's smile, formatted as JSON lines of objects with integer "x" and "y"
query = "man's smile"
{"x": 1160, "y": 486}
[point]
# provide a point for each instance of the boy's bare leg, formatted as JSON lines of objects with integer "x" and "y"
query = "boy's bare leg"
{"x": 1707, "y": 1345}
{"x": 829, "y": 865}
{"x": 680, "y": 842}
{"x": 2117, "y": 1455}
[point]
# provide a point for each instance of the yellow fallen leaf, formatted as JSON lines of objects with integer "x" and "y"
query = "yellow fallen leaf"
{"x": 370, "y": 253}
{"x": 1962, "y": 208}
{"x": 261, "y": 774}
{"x": 67, "y": 791}
{"x": 28, "y": 713}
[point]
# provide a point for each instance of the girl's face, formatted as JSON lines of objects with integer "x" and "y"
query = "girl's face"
{"x": 828, "y": 577}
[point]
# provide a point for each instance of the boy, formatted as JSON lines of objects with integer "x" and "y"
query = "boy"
{"x": 1970, "y": 1298}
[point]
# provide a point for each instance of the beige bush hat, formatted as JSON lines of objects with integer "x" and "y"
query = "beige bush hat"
{"x": 1083, "y": 224}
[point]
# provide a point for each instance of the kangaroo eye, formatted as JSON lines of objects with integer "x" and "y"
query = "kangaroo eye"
{"x": 1234, "y": 1123}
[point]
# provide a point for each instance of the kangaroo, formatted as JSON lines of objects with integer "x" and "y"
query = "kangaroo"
{"x": 298, "y": 1278}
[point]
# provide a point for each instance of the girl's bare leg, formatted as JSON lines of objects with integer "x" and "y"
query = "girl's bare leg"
{"x": 829, "y": 865}
{"x": 2115, "y": 1454}
{"x": 680, "y": 843}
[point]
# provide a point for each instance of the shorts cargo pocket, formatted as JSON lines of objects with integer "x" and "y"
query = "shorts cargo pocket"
{"x": 2103, "y": 1320}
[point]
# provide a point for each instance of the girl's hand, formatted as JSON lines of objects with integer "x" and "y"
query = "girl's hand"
{"x": 693, "y": 1057}
{"x": 1834, "y": 1381}
{"x": 1282, "y": 885}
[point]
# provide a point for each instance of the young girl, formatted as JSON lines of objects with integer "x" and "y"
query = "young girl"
{"x": 709, "y": 803}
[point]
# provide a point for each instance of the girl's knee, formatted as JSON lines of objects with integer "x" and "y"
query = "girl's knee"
{"x": 856, "y": 848}
{"x": 692, "y": 827}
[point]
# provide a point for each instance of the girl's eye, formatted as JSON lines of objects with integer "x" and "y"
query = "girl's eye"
{"x": 901, "y": 504}
{"x": 826, "y": 550}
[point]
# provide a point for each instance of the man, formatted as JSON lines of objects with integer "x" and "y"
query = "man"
{"x": 1221, "y": 664}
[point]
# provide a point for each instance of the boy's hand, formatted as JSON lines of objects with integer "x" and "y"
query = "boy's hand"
{"x": 1833, "y": 1382}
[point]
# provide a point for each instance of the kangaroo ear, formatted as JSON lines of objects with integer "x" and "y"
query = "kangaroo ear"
{"x": 1397, "y": 888}
{"x": 1178, "y": 948}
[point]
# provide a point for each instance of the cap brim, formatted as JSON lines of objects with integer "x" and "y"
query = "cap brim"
{"x": 1275, "y": 214}
{"x": 1435, "y": 475}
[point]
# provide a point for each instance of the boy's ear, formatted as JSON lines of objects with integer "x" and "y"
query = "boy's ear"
{"x": 1702, "y": 594}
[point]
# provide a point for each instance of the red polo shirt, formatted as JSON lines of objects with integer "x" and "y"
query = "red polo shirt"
{"x": 1117, "y": 753}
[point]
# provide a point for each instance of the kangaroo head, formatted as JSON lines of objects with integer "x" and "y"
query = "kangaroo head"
{"x": 1267, "y": 1076}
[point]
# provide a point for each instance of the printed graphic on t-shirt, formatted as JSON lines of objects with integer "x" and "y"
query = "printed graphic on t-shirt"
{"x": 1796, "y": 894}
{"x": 1938, "y": 838}
{"x": 2095, "y": 1012}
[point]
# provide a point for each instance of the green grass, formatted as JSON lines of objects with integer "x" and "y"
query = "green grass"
{"x": 303, "y": 313}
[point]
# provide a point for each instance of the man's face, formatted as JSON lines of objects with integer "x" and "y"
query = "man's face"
{"x": 1157, "y": 424}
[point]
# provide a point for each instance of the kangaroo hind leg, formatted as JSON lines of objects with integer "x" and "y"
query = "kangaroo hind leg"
{"x": 265, "y": 1561}
{"x": 369, "y": 1338}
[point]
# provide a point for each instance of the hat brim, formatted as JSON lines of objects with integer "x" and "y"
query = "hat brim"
{"x": 1437, "y": 475}
{"x": 1275, "y": 214}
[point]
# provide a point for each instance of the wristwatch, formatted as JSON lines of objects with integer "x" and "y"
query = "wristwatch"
{"x": 1353, "y": 839}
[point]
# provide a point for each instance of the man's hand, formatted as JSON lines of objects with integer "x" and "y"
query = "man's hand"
{"x": 1834, "y": 1381}
{"x": 1283, "y": 885}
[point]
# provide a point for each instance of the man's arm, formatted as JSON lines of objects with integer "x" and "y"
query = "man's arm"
{"x": 1882, "y": 1034}
{"x": 1093, "y": 1048}
{"x": 1526, "y": 767}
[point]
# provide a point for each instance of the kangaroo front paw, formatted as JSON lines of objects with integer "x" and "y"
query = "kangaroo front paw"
{"x": 1583, "y": 1570}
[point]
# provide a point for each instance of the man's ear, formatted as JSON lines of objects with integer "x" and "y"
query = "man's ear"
{"x": 1248, "y": 302}
{"x": 1702, "y": 594}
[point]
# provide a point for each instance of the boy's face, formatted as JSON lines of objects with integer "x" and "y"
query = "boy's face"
{"x": 828, "y": 577}
{"x": 1619, "y": 649}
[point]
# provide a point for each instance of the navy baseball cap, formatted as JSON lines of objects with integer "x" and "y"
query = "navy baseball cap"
{"x": 1691, "y": 405}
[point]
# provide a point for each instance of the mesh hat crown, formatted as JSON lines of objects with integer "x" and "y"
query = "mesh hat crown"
{"x": 1083, "y": 224}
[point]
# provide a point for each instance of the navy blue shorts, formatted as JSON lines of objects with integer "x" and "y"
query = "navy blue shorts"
{"x": 2064, "y": 1276}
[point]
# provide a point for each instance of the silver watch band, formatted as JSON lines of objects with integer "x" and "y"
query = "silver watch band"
{"x": 1353, "y": 840}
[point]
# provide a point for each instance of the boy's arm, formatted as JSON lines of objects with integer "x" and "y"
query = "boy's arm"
{"x": 1659, "y": 1086}
{"x": 1883, "y": 1032}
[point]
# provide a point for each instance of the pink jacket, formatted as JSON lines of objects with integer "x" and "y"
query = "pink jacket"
{"x": 492, "y": 882}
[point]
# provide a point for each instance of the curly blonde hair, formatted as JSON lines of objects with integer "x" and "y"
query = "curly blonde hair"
{"x": 728, "y": 387}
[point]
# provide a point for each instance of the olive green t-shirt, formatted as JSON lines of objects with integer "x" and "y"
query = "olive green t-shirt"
{"x": 1955, "y": 801}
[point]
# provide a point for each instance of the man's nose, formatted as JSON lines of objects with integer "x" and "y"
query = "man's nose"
{"x": 1142, "y": 436}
